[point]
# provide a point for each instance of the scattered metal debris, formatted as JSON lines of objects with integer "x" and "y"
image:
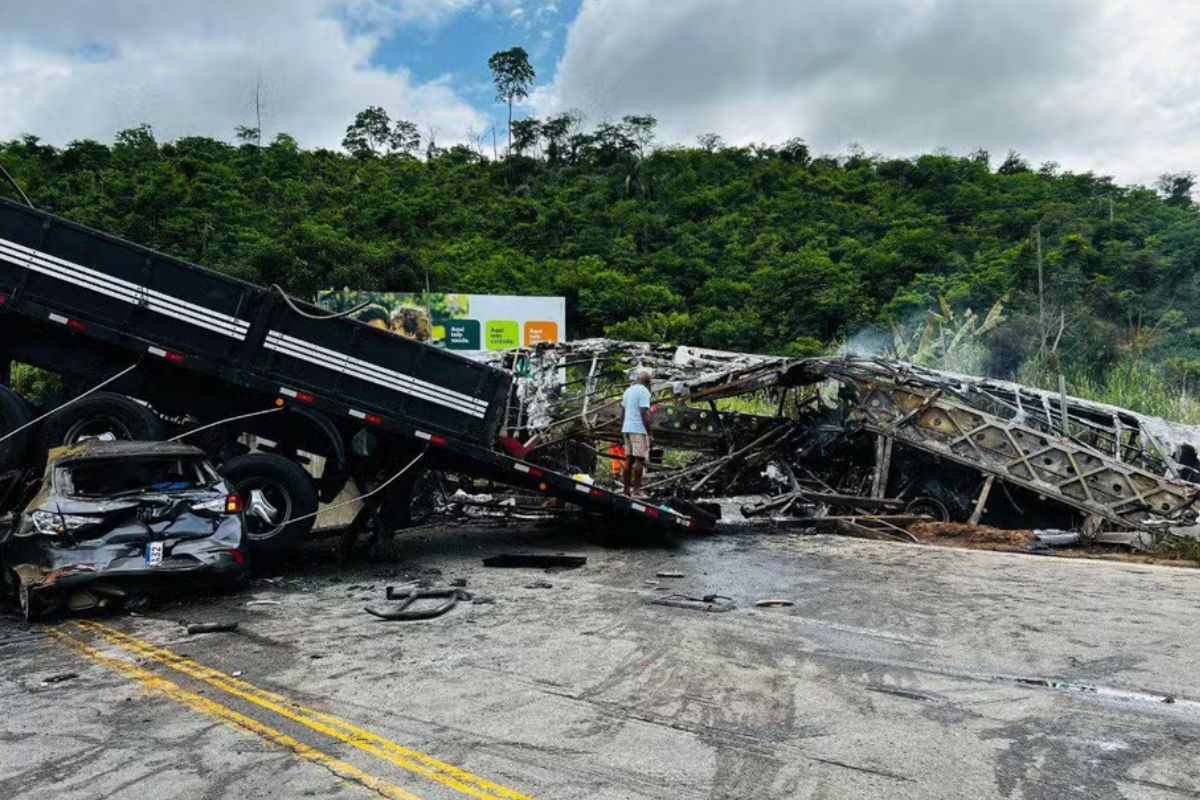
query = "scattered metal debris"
{"x": 864, "y": 446}
{"x": 59, "y": 678}
{"x": 211, "y": 627}
{"x": 407, "y": 596}
{"x": 535, "y": 560}
{"x": 709, "y": 602}
{"x": 773, "y": 602}
{"x": 1056, "y": 538}
{"x": 668, "y": 573}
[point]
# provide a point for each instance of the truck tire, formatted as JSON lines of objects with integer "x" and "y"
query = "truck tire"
{"x": 100, "y": 415}
{"x": 14, "y": 412}
{"x": 273, "y": 489}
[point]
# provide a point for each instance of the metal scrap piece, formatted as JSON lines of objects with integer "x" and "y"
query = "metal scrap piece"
{"x": 715, "y": 603}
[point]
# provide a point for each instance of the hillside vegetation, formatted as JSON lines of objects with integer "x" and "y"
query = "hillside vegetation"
{"x": 762, "y": 248}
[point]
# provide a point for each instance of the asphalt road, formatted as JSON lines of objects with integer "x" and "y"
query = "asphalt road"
{"x": 901, "y": 671}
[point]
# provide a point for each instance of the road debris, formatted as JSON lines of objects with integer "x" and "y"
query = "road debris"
{"x": 710, "y": 602}
{"x": 668, "y": 573}
{"x": 1056, "y": 538}
{"x": 860, "y": 446}
{"x": 535, "y": 560}
{"x": 773, "y": 602}
{"x": 59, "y": 678}
{"x": 405, "y": 597}
{"x": 211, "y": 627}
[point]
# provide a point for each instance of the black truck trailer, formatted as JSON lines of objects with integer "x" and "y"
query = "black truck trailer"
{"x": 194, "y": 347}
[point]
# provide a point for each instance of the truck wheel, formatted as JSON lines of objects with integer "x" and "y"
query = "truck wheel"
{"x": 103, "y": 415}
{"x": 14, "y": 412}
{"x": 274, "y": 490}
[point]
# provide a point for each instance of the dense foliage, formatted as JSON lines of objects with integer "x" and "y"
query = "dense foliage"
{"x": 750, "y": 248}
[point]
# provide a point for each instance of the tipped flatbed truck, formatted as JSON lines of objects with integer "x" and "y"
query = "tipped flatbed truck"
{"x": 180, "y": 347}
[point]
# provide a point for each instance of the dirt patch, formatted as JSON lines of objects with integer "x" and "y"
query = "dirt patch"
{"x": 980, "y": 537}
{"x": 983, "y": 537}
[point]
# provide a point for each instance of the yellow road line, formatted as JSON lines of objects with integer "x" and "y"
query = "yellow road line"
{"x": 233, "y": 719}
{"x": 403, "y": 757}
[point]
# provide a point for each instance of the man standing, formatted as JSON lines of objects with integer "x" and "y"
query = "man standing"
{"x": 635, "y": 404}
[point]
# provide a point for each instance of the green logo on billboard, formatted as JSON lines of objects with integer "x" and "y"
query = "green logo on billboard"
{"x": 502, "y": 334}
{"x": 462, "y": 334}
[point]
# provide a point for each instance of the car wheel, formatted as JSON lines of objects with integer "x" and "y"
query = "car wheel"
{"x": 105, "y": 416}
{"x": 14, "y": 412}
{"x": 274, "y": 490}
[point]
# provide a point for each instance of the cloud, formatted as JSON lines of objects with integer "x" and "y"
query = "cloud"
{"x": 1105, "y": 85}
{"x": 84, "y": 69}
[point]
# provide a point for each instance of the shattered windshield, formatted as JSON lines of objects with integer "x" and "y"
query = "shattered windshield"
{"x": 129, "y": 476}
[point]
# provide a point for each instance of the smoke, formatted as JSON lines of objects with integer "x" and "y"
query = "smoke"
{"x": 871, "y": 341}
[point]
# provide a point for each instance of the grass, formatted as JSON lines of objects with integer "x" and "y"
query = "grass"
{"x": 1140, "y": 386}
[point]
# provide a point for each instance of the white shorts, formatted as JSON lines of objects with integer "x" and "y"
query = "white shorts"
{"x": 637, "y": 445}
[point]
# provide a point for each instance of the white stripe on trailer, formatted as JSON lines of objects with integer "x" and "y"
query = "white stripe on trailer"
{"x": 521, "y": 467}
{"x": 286, "y": 392}
{"x": 373, "y": 373}
{"x": 59, "y": 318}
{"x": 156, "y": 351}
{"x": 125, "y": 291}
{"x": 77, "y": 270}
{"x": 637, "y": 506}
{"x": 384, "y": 381}
{"x": 135, "y": 295}
{"x": 318, "y": 349}
{"x": 140, "y": 299}
{"x": 426, "y": 436}
{"x": 368, "y": 367}
{"x": 354, "y": 412}
{"x": 583, "y": 487}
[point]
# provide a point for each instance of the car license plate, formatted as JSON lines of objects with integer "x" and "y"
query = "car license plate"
{"x": 154, "y": 553}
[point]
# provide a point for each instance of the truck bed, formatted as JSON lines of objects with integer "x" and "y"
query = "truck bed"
{"x": 64, "y": 285}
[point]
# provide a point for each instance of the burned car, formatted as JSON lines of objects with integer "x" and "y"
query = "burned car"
{"x": 117, "y": 520}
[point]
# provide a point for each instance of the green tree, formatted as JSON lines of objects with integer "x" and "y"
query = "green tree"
{"x": 555, "y": 132}
{"x": 512, "y": 75}
{"x": 710, "y": 142}
{"x": 369, "y": 133}
{"x": 640, "y": 129}
{"x": 525, "y": 135}
{"x": 1176, "y": 188}
{"x": 247, "y": 135}
{"x": 405, "y": 137}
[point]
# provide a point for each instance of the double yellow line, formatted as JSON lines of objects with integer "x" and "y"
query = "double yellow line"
{"x": 326, "y": 724}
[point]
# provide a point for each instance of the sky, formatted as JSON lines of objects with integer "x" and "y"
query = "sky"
{"x": 1108, "y": 86}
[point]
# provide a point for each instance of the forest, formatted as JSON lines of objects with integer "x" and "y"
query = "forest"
{"x": 980, "y": 263}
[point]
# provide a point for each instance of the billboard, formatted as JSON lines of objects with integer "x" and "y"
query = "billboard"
{"x": 467, "y": 323}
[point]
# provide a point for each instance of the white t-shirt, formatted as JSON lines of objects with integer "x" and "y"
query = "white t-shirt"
{"x": 636, "y": 398}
